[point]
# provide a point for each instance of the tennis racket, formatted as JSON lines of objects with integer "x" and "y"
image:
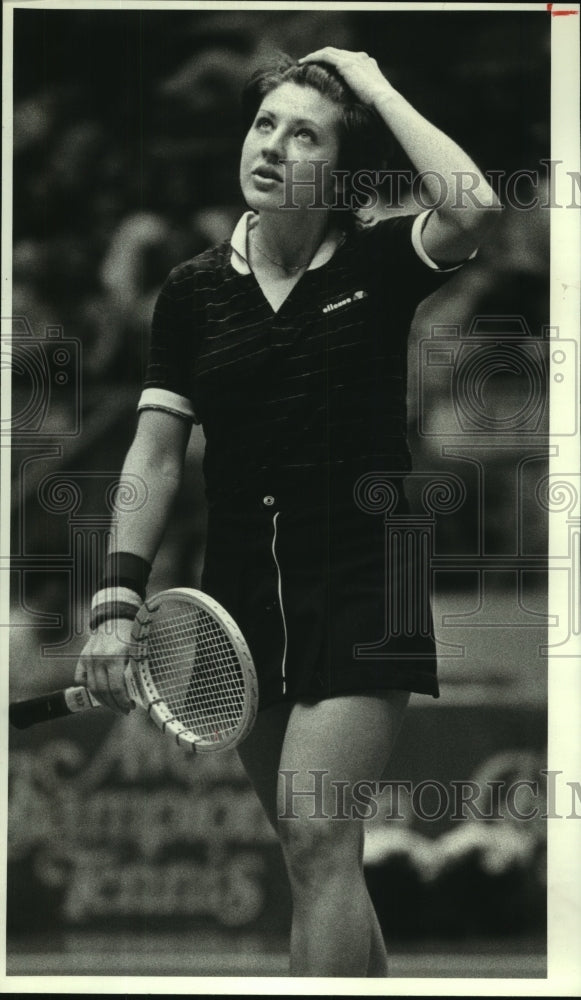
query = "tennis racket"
{"x": 191, "y": 670}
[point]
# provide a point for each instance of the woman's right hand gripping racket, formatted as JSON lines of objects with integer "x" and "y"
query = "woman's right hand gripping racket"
{"x": 190, "y": 669}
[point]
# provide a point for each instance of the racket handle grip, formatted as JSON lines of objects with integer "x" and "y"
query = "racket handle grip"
{"x": 23, "y": 714}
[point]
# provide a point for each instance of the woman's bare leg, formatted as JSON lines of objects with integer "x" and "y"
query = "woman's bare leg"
{"x": 264, "y": 746}
{"x": 349, "y": 738}
{"x": 260, "y": 755}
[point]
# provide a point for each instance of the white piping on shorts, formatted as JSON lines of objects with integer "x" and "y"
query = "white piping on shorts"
{"x": 280, "y": 602}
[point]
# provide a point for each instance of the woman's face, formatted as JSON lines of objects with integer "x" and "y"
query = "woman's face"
{"x": 298, "y": 124}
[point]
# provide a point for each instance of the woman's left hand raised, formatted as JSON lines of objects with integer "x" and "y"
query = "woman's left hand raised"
{"x": 359, "y": 71}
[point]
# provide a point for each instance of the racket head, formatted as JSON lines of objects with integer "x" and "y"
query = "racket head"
{"x": 194, "y": 670}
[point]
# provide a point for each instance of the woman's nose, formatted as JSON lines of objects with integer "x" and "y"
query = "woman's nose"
{"x": 273, "y": 146}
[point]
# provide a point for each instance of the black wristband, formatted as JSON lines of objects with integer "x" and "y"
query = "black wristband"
{"x": 123, "y": 569}
{"x": 112, "y": 609}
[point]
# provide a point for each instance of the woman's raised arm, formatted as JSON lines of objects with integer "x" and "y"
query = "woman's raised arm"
{"x": 465, "y": 206}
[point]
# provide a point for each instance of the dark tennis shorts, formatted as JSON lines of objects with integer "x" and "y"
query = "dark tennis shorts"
{"x": 332, "y": 599}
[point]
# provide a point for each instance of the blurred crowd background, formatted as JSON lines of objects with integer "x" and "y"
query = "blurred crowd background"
{"x": 126, "y": 144}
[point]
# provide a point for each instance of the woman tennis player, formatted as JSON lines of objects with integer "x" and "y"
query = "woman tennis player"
{"x": 288, "y": 343}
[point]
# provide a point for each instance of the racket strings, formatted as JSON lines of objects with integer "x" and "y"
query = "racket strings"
{"x": 196, "y": 671}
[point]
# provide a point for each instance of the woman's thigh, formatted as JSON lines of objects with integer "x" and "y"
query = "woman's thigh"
{"x": 260, "y": 754}
{"x": 350, "y": 738}
{"x": 346, "y": 740}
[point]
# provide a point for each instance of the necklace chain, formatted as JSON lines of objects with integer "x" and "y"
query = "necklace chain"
{"x": 278, "y": 263}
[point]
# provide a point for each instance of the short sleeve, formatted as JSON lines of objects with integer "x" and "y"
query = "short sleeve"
{"x": 417, "y": 243}
{"x": 174, "y": 332}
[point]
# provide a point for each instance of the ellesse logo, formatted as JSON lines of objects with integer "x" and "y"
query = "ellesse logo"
{"x": 346, "y": 300}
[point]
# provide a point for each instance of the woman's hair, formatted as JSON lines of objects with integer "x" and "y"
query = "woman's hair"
{"x": 364, "y": 139}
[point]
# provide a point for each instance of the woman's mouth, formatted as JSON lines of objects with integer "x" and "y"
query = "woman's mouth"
{"x": 267, "y": 174}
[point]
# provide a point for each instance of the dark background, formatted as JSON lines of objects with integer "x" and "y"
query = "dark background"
{"x": 126, "y": 145}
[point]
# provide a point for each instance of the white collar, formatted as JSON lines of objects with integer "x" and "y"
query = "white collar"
{"x": 238, "y": 239}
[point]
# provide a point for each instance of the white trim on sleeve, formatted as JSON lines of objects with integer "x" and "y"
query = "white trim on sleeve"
{"x": 417, "y": 230}
{"x": 171, "y": 402}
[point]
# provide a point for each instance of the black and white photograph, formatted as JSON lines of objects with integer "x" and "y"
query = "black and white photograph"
{"x": 291, "y": 498}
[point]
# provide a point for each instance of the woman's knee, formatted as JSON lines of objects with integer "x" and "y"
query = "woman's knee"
{"x": 317, "y": 850}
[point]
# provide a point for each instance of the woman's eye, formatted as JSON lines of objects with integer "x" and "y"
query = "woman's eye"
{"x": 305, "y": 133}
{"x": 263, "y": 123}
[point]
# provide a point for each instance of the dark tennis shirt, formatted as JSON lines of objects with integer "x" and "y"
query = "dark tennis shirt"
{"x": 315, "y": 389}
